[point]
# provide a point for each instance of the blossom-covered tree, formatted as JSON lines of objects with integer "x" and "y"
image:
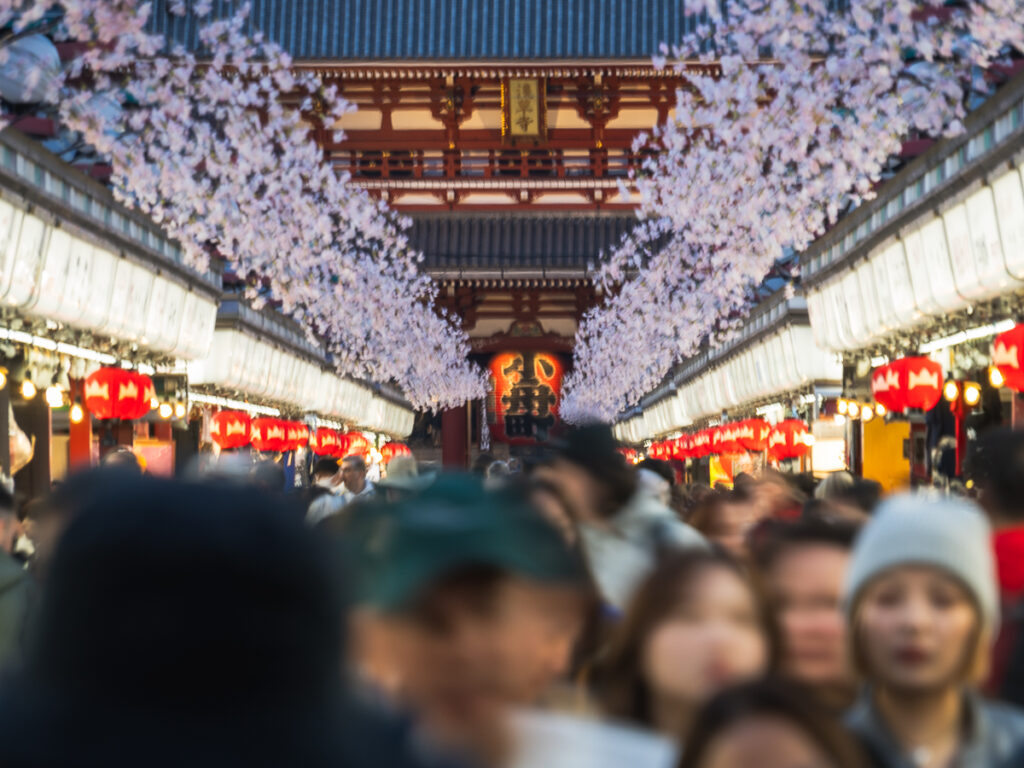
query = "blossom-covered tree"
{"x": 808, "y": 102}
{"x": 215, "y": 146}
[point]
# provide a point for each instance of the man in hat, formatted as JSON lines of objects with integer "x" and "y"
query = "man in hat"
{"x": 623, "y": 529}
{"x": 476, "y": 604}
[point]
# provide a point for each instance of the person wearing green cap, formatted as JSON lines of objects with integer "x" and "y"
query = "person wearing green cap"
{"x": 477, "y": 600}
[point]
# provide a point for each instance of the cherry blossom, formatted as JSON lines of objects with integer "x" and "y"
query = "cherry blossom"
{"x": 762, "y": 156}
{"x": 215, "y": 146}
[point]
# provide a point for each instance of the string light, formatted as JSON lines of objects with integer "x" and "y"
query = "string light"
{"x": 28, "y": 389}
{"x": 77, "y": 413}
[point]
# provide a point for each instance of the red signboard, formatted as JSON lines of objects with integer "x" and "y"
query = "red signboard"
{"x": 526, "y": 387}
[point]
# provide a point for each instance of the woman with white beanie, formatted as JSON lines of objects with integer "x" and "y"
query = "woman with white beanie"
{"x": 923, "y": 607}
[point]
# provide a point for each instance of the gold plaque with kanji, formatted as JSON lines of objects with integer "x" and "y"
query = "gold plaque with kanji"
{"x": 524, "y": 108}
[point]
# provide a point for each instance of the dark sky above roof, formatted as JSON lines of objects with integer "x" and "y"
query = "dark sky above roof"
{"x": 361, "y": 30}
{"x": 493, "y": 242}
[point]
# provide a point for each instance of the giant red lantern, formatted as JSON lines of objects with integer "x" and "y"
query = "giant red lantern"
{"x": 789, "y": 439}
{"x": 681, "y": 449}
{"x": 230, "y": 429}
{"x": 1008, "y": 357}
{"x": 700, "y": 445}
{"x": 389, "y": 451}
{"x": 114, "y": 393}
{"x": 911, "y": 382}
{"x": 325, "y": 442}
{"x": 270, "y": 435}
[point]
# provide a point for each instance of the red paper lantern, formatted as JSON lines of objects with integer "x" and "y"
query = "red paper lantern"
{"x": 114, "y": 393}
{"x": 230, "y": 429}
{"x": 681, "y": 449}
{"x": 789, "y": 439}
{"x": 389, "y": 451}
{"x": 324, "y": 442}
{"x": 1008, "y": 357}
{"x": 269, "y": 435}
{"x": 700, "y": 444}
{"x": 753, "y": 434}
{"x": 357, "y": 445}
{"x": 911, "y": 382}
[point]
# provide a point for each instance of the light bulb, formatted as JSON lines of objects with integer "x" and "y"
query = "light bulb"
{"x": 842, "y": 407}
{"x": 28, "y": 389}
{"x": 76, "y": 414}
{"x": 880, "y": 410}
{"x": 951, "y": 391}
{"x": 3, "y": 378}
{"x": 972, "y": 393}
{"x": 995, "y": 377}
{"x": 866, "y": 414}
{"x": 154, "y": 403}
{"x": 166, "y": 410}
{"x": 179, "y": 410}
{"x": 54, "y": 397}
{"x": 840, "y": 419}
{"x": 854, "y": 410}
{"x": 809, "y": 439}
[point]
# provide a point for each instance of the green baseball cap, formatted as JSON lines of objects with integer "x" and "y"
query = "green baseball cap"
{"x": 410, "y": 544}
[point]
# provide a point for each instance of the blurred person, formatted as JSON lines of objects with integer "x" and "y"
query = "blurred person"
{"x": 727, "y": 518}
{"x": 777, "y": 496}
{"x": 767, "y": 724}
{"x": 496, "y": 475}
{"x": 189, "y": 625}
{"x": 996, "y": 467}
{"x": 477, "y": 601}
{"x": 326, "y": 474}
{"x": 833, "y": 484}
{"x": 123, "y": 458}
{"x": 15, "y": 584}
{"x": 547, "y": 498}
{"x": 923, "y": 606}
{"x": 853, "y": 502}
{"x": 268, "y": 476}
{"x": 623, "y": 530}
{"x": 695, "y": 626}
{"x": 656, "y": 478}
{"x": 353, "y": 476}
{"x": 802, "y": 566}
{"x": 403, "y": 479}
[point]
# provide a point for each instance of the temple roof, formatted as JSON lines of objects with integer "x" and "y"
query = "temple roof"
{"x": 367, "y": 30}
{"x": 471, "y": 242}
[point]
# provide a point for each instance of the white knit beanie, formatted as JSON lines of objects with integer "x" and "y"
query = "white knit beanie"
{"x": 916, "y": 529}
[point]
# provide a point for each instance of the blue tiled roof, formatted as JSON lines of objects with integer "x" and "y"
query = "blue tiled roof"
{"x": 366, "y": 30}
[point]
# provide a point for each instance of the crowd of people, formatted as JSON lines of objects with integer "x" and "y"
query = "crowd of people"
{"x": 567, "y": 610}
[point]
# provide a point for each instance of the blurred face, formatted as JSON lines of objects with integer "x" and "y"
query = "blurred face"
{"x": 806, "y": 584}
{"x": 450, "y": 652}
{"x": 764, "y": 742}
{"x": 577, "y": 486}
{"x": 555, "y": 512}
{"x": 917, "y": 630}
{"x": 732, "y": 523}
{"x": 712, "y": 639}
{"x": 353, "y": 476}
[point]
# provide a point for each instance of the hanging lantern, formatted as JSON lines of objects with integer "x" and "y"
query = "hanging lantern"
{"x": 681, "y": 448}
{"x": 356, "y": 445}
{"x": 753, "y": 434}
{"x": 324, "y": 442}
{"x": 230, "y": 429}
{"x": 789, "y": 439}
{"x": 114, "y": 393}
{"x": 1008, "y": 357}
{"x": 269, "y": 435}
{"x": 389, "y": 451}
{"x": 700, "y": 445}
{"x": 730, "y": 441}
{"x": 910, "y": 382}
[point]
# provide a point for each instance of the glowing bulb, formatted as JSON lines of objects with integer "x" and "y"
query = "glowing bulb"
{"x": 951, "y": 391}
{"x": 880, "y": 410}
{"x": 54, "y": 397}
{"x": 154, "y": 403}
{"x": 76, "y": 414}
{"x": 854, "y": 410}
{"x": 166, "y": 410}
{"x": 995, "y": 377}
{"x": 972, "y": 393}
{"x": 866, "y": 414}
{"x": 809, "y": 438}
{"x": 840, "y": 419}
{"x": 28, "y": 389}
{"x": 179, "y": 410}
{"x": 841, "y": 407}
{"x": 3, "y": 378}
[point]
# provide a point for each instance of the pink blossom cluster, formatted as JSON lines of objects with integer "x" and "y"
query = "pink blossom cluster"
{"x": 796, "y": 125}
{"x": 217, "y": 148}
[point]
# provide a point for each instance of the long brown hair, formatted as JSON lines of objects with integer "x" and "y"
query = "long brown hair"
{"x": 618, "y": 675}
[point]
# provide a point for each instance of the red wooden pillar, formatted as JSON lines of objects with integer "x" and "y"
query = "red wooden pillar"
{"x": 454, "y": 438}
{"x": 162, "y": 431}
{"x": 80, "y": 438}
